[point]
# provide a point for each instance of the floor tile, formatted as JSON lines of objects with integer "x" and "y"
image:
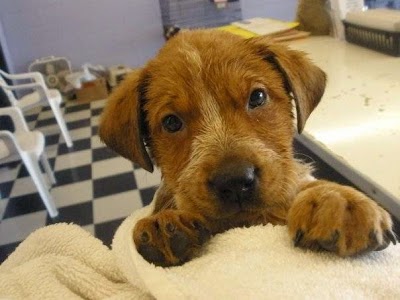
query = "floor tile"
{"x": 147, "y": 195}
{"x": 5, "y": 189}
{"x": 89, "y": 228}
{"x": 34, "y": 111}
{"x": 75, "y": 108}
{"x": 145, "y": 179}
{"x": 116, "y": 206}
{"x": 31, "y": 118}
{"x": 76, "y": 116}
{"x": 80, "y": 133}
{"x": 62, "y": 139}
{"x": 48, "y": 114}
{"x": 3, "y": 205}
{"x": 31, "y": 125}
{"x": 23, "y": 205}
{"x": 81, "y": 214}
{"x": 95, "y": 130}
{"x": 72, "y": 194}
{"x": 78, "y": 145}
{"x": 52, "y": 150}
{"x": 110, "y": 166}
{"x": 103, "y": 153}
{"x": 23, "y": 186}
{"x": 98, "y": 103}
{"x": 6, "y": 250}
{"x": 49, "y": 130}
{"x": 46, "y": 122}
{"x": 78, "y": 124}
{"x": 105, "y": 231}
{"x": 52, "y": 162}
{"x": 18, "y": 228}
{"x": 96, "y": 111}
{"x": 73, "y": 175}
{"x": 52, "y": 139}
{"x": 113, "y": 184}
{"x": 8, "y": 174}
{"x": 46, "y": 108}
{"x": 96, "y": 142}
{"x": 73, "y": 160}
{"x": 23, "y": 172}
{"x": 94, "y": 121}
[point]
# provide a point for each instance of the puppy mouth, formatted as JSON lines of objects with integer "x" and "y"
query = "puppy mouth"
{"x": 250, "y": 203}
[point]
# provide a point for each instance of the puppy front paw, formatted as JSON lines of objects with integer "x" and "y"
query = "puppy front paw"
{"x": 339, "y": 219}
{"x": 170, "y": 237}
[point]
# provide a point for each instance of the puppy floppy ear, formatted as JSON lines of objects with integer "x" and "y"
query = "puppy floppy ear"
{"x": 123, "y": 125}
{"x": 302, "y": 78}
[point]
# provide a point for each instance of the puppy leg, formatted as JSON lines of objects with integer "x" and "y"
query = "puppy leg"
{"x": 337, "y": 218}
{"x": 170, "y": 237}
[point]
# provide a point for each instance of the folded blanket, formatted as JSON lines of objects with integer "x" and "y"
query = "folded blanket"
{"x": 64, "y": 261}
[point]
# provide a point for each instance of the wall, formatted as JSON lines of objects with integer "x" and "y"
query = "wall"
{"x": 383, "y": 3}
{"x": 98, "y": 31}
{"x": 279, "y": 9}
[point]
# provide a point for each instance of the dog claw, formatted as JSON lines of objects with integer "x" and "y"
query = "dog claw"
{"x": 387, "y": 238}
{"x": 299, "y": 236}
{"x": 382, "y": 247}
{"x": 391, "y": 236}
{"x": 145, "y": 237}
{"x": 204, "y": 233}
{"x": 330, "y": 245}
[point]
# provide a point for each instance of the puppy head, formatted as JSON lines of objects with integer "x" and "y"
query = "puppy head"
{"x": 209, "y": 102}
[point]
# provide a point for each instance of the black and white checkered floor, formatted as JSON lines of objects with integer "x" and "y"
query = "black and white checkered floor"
{"x": 95, "y": 187}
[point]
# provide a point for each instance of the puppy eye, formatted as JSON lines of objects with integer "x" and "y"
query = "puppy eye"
{"x": 172, "y": 123}
{"x": 257, "y": 98}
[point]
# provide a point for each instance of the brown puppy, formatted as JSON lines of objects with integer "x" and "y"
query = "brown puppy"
{"x": 214, "y": 112}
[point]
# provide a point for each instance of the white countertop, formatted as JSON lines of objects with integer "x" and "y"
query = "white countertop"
{"x": 358, "y": 119}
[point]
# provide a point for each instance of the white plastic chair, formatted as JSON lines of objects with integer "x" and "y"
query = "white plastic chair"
{"x": 41, "y": 95}
{"x": 28, "y": 146}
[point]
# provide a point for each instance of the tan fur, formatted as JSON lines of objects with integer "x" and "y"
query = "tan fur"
{"x": 205, "y": 78}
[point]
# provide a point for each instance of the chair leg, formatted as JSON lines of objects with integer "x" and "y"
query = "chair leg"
{"x": 47, "y": 168}
{"x": 61, "y": 122}
{"x": 37, "y": 177}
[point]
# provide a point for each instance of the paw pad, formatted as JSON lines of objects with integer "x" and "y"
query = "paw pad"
{"x": 331, "y": 244}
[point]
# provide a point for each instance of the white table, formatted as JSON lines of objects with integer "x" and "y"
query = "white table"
{"x": 356, "y": 127}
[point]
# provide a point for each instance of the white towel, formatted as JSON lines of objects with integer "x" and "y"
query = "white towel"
{"x": 261, "y": 262}
{"x": 64, "y": 261}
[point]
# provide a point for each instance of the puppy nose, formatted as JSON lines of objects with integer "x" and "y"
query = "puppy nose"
{"x": 234, "y": 181}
